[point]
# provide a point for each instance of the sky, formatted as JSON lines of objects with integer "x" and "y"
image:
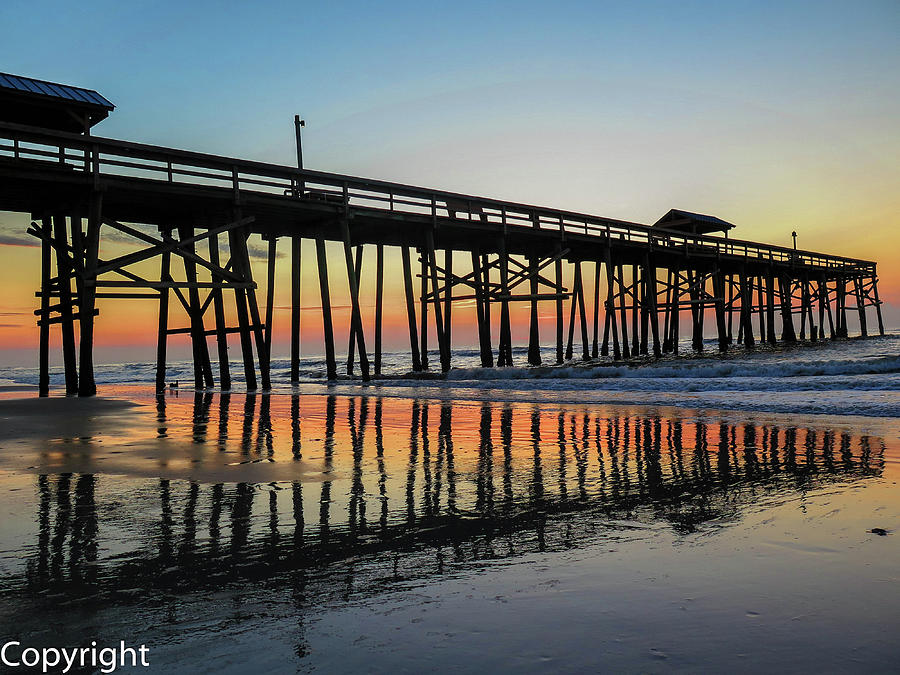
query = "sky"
{"x": 776, "y": 116}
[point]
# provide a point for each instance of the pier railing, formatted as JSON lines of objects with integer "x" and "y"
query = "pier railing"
{"x": 92, "y": 158}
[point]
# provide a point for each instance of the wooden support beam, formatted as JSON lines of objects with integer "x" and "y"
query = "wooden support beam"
{"x": 826, "y": 296}
{"x": 760, "y": 296}
{"x": 504, "y": 358}
{"x": 481, "y": 310}
{"x": 527, "y": 271}
{"x": 87, "y": 386}
{"x": 635, "y": 308}
{"x": 162, "y": 323}
{"x": 173, "y": 246}
{"x": 64, "y": 273}
{"x": 235, "y": 243}
{"x": 423, "y": 308}
{"x": 210, "y": 331}
{"x": 703, "y": 297}
{"x": 379, "y": 308}
{"x": 813, "y": 329}
{"x": 667, "y": 333}
{"x": 219, "y": 314}
{"x": 770, "y": 307}
{"x": 652, "y": 291}
{"x": 787, "y": 322}
{"x": 257, "y": 324}
{"x": 448, "y": 302}
{"x": 215, "y": 269}
{"x": 842, "y": 306}
{"x": 44, "y": 332}
{"x": 604, "y": 347}
{"x": 485, "y": 282}
{"x": 410, "y": 310}
{"x": 860, "y": 306}
{"x": 676, "y": 312}
{"x": 803, "y": 302}
{"x": 443, "y": 347}
{"x": 351, "y": 346}
{"x": 325, "y": 296}
{"x": 697, "y": 285}
{"x": 729, "y": 279}
{"x": 747, "y": 310}
{"x": 296, "y": 300}
{"x": 611, "y": 303}
{"x": 643, "y": 288}
{"x": 570, "y": 340}
{"x": 626, "y": 350}
{"x": 558, "y": 265}
{"x": 356, "y": 324}
{"x": 479, "y": 306}
{"x": 55, "y": 320}
{"x": 821, "y": 305}
{"x": 582, "y": 315}
{"x": 595, "y": 343}
{"x": 721, "y": 319}
{"x": 175, "y": 285}
{"x": 877, "y": 303}
{"x": 202, "y": 367}
{"x": 271, "y": 255}
{"x": 534, "y": 339}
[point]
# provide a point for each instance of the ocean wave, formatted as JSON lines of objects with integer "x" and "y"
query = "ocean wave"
{"x": 698, "y": 369}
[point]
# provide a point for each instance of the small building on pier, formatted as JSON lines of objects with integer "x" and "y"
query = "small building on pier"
{"x": 49, "y": 105}
{"x": 693, "y": 223}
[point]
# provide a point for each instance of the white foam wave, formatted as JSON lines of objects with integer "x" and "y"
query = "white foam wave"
{"x": 696, "y": 369}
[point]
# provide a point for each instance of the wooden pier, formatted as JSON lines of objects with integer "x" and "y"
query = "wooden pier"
{"x": 632, "y": 284}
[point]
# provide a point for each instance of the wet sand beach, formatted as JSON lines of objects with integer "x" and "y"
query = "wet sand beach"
{"x": 344, "y": 533}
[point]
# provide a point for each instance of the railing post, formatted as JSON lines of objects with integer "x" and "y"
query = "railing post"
{"x": 95, "y": 165}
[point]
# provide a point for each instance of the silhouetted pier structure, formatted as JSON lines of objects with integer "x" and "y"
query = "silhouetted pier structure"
{"x": 641, "y": 279}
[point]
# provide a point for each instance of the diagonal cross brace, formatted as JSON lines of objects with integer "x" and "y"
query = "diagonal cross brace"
{"x": 176, "y": 247}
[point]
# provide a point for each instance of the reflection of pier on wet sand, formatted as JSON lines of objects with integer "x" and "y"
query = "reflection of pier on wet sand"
{"x": 400, "y": 488}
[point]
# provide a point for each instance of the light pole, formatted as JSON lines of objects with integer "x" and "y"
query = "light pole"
{"x": 298, "y": 124}
{"x": 794, "y": 235}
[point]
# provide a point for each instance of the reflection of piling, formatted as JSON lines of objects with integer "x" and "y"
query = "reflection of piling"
{"x": 510, "y": 495}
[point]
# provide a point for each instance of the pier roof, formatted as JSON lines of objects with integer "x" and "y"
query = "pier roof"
{"x": 695, "y": 223}
{"x": 25, "y": 100}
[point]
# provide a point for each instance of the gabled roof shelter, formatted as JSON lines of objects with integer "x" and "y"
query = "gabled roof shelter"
{"x": 38, "y": 103}
{"x": 693, "y": 223}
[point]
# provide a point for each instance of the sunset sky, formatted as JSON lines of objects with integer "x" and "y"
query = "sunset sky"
{"x": 774, "y": 116}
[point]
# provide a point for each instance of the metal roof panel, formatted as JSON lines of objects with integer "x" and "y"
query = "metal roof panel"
{"x": 54, "y": 90}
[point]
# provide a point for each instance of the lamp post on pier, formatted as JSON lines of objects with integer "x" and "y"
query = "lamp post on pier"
{"x": 299, "y": 124}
